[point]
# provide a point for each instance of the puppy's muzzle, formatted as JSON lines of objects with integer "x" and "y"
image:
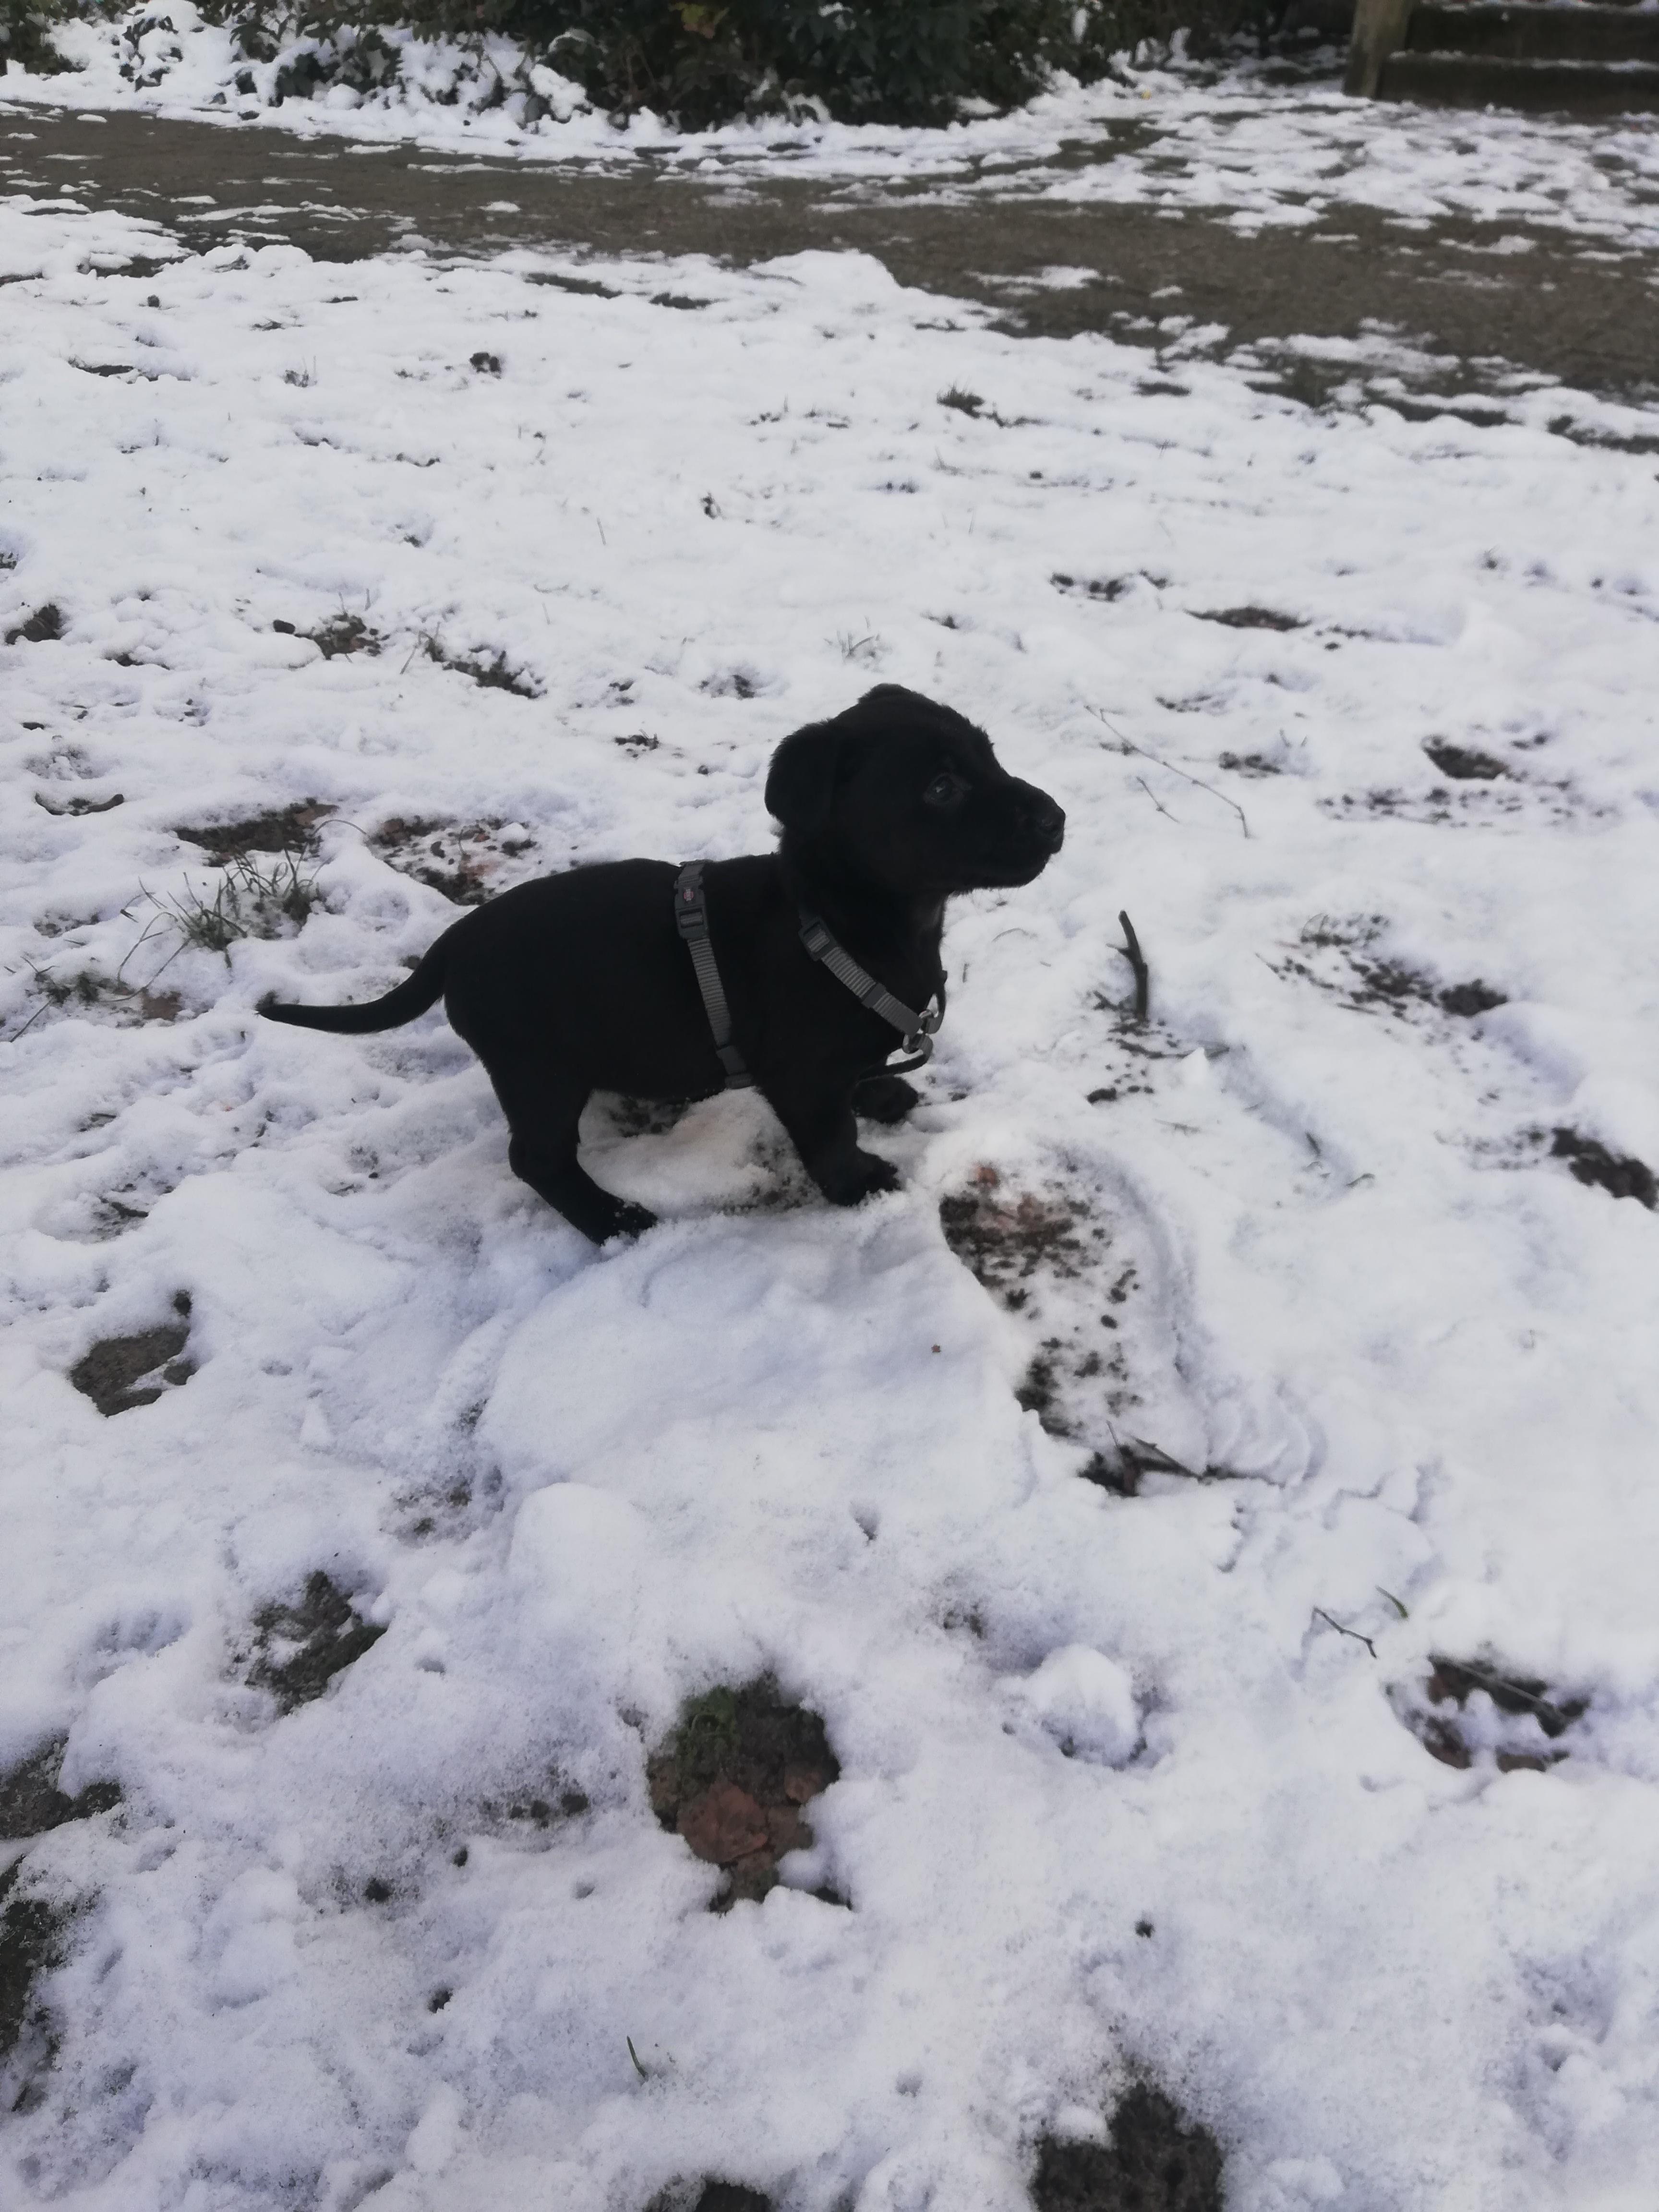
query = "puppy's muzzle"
{"x": 1044, "y": 822}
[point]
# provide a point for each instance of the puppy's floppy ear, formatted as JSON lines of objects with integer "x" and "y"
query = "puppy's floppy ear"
{"x": 801, "y": 781}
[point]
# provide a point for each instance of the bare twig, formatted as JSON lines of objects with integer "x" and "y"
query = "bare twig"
{"x": 1320, "y": 1614}
{"x": 1156, "y": 801}
{"x": 1137, "y": 960}
{"x": 635, "y": 2056}
{"x": 1128, "y": 746}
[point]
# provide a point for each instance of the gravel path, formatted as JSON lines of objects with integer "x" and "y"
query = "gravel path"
{"x": 1494, "y": 295}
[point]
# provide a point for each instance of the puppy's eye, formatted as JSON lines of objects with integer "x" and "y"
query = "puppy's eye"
{"x": 945, "y": 790}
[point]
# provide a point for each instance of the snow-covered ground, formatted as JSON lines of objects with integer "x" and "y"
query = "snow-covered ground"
{"x": 1131, "y": 1786}
{"x": 1174, "y": 137}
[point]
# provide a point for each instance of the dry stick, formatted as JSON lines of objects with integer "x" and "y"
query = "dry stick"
{"x": 1157, "y": 802}
{"x": 1320, "y": 1614}
{"x": 1137, "y": 959}
{"x": 1141, "y": 750}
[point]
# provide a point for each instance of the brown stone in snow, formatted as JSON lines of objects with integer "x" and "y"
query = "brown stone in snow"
{"x": 786, "y": 1830}
{"x": 724, "y": 1824}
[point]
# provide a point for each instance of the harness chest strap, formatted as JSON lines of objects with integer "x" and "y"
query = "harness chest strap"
{"x": 691, "y": 918}
{"x": 691, "y": 915}
{"x": 916, "y": 1028}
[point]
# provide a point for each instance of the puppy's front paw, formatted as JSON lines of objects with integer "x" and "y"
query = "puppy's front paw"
{"x": 632, "y": 1221}
{"x": 864, "y": 1176}
{"x": 884, "y": 1098}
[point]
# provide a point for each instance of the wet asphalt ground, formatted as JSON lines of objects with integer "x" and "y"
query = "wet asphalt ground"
{"x": 1588, "y": 318}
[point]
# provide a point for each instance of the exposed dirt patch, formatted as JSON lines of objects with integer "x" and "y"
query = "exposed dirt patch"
{"x": 1591, "y": 1163}
{"x": 300, "y": 1648}
{"x": 709, "y": 2197}
{"x": 1249, "y": 618}
{"x": 467, "y": 861}
{"x": 123, "y": 1372}
{"x": 345, "y": 633}
{"x": 492, "y": 671}
{"x": 732, "y": 1780}
{"x": 1470, "y": 998}
{"x": 44, "y": 626}
{"x": 1004, "y": 1237}
{"x": 32, "y": 1931}
{"x": 1044, "y": 1256}
{"x": 77, "y": 806}
{"x": 591, "y": 285}
{"x": 1097, "y": 587}
{"x": 1154, "y": 2162}
{"x": 1463, "y": 762}
{"x": 283, "y": 829}
{"x": 1470, "y": 1711}
{"x": 1336, "y": 953}
{"x": 31, "y": 1801}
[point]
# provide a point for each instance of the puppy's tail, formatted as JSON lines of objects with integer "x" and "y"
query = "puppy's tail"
{"x": 410, "y": 998}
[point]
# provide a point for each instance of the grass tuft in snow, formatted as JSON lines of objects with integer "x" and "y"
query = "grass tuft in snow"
{"x": 251, "y": 899}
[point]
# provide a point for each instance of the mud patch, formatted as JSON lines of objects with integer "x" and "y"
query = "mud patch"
{"x": 492, "y": 671}
{"x": 1248, "y": 618}
{"x": 468, "y": 861}
{"x": 1100, "y": 587}
{"x": 300, "y": 1648}
{"x": 1474, "y": 1711}
{"x": 1005, "y": 1237}
{"x": 290, "y": 829}
{"x": 732, "y": 1781}
{"x": 1337, "y": 953}
{"x": 44, "y": 626}
{"x": 1028, "y": 1249}
{"x": 32, "y": 1942}
{"x": 346, "y": 634}
{"x": 123, "y": 1372}
{"x": 709, "y": 2197}
{"x": 1591, "y": 1163}
{"x": 1154, "y": 2162}
{"x": 31, "y": 1801}
{"x": 1463, "y": 762}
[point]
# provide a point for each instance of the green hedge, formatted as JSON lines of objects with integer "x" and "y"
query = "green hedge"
{"x": 698, "y": 63}
{"x": 26, "y": 29}
{"x": 702, "y": 61}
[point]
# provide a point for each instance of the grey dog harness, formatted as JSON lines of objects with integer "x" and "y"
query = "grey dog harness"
{"x": 691, "y": 917}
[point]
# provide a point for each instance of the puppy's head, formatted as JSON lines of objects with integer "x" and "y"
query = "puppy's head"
{"x": 910, "y": 794}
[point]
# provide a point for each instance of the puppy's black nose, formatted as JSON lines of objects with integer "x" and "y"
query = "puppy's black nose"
{"x": 1046, "y": 821}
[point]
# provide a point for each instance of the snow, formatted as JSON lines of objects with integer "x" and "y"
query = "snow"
{"x": 1131, "y": 1786}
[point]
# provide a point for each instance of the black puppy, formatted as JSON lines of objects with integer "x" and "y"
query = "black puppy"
{"x": 582, "y": 981}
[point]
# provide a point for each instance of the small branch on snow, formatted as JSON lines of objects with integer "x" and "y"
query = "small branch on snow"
{"x": 1156, "y": 801}
{"x": 1137, "y": 959}
{"x": 1320, "y": 1614}
{"x": 1140, "y": 751}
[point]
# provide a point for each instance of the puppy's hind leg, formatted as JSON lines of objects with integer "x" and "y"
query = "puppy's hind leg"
{"x": 543, "y": 1107}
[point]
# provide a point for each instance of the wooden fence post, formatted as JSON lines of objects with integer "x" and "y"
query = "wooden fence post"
{"x": 1379, "y": 27}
